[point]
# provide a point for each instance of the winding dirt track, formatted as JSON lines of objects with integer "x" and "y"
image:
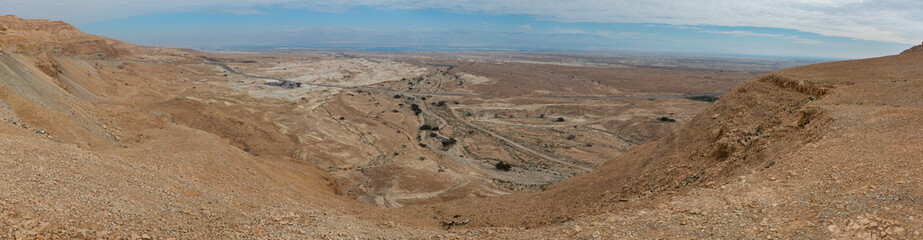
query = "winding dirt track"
{"x": 454, "y": 113}
{"x": 517, "y": 145}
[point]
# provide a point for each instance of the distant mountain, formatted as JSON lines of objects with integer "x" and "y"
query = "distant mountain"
{"x": 428, "y": 40}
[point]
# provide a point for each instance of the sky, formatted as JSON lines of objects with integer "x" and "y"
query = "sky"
{"x": 794, "y": 28}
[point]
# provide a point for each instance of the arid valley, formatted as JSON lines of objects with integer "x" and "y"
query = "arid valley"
{"x": 104, "y": 139}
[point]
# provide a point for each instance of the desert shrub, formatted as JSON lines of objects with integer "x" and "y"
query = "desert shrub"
{"x": 560, "y": 119}
{"x": 704, "y": 98}
{"x": 416, "y": 109}
{"x": 449, "y": 142}
{"x": 666, "y": 119}
{"x": 502, "y": 166}
{"x": 426, "y": 127}
{"x": 397, "y": 96}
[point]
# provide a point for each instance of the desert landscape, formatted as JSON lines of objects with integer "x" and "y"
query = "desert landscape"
{"x": 104, "y": 139}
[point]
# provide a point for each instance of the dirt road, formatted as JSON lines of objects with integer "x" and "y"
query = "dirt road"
{"x": 517, "y": 145}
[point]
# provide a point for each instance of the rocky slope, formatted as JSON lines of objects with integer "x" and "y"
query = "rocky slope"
{"x": 914, "y": 49}
{"x": 84, "y": 155}
{"x": 822, "y": 151}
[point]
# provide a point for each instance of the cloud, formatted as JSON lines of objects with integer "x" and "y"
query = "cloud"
{"x": 674, "y": 26}
{"x": 791, "y": 38}
{"x": 568, "y": 31}
{"x": 526, "y": 26}
{"x": 897, "y": 21}
{"x": 621, "y": 35}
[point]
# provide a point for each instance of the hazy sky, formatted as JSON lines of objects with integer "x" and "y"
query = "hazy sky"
{"x": 816, "y": 28}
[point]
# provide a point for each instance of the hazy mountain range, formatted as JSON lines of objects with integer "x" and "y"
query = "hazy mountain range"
{"x": 338, "y": 38}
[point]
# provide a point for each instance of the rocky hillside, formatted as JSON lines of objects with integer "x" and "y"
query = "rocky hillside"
{"x": 35, "y": 37}
{"x": 84, "y": 156}
{"x": 829, "y": 150}
{"x": 914, "y": 49}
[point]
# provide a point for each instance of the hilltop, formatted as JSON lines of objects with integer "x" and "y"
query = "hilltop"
{"x": 913, "y": 50}
{"x": 104, "y": 139}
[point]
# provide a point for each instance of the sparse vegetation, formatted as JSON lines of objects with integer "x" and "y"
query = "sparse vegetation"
{"x": 704, "y": 98}
{"x": 449, "y": 142}
{"x": 502, "y": 166}
{"x": 416, "y": 109}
